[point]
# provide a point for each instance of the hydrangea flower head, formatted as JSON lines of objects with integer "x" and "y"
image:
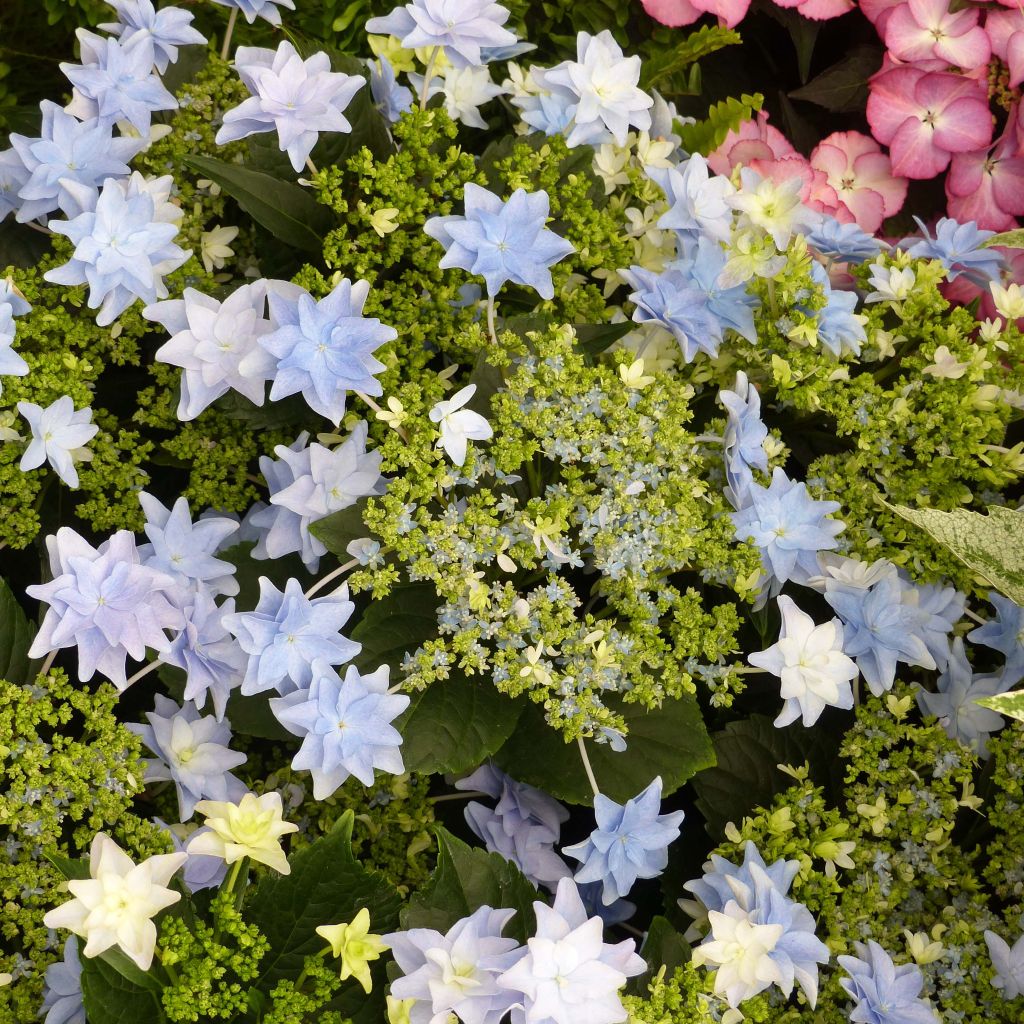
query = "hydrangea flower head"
{"x": 502, "y": 241}
{"x": 459, "y": 425}
{"x": 296, "y": 98}
{"x": 631, "y": 841}
{"x": 390, "y": 98}
{"x": 959, "y": 248}
{"x": 116, "y": 82}
{"x": 123, "y": 249}
{"x": 192, "y": 752}
{"x": 1005, "y": 634}
{"x": 569, "y": 973}
{"x": 251, "y": 827}
{"x": 116, "y": 904}
{"x": 13, "y": 175}
{"x": 355, "y": 947}
{"x": 883, "y": 992}
{"x": 62, "y": 991}
{"x": 60, "y": 432}
{"x": 846, "y": 243}
{"x": 772, "y": 207}
{"x": 463, "y": 28}
{"x": 68, "y": 152}
{"x": 696, "y": 199}
{"x": 324, "y": 349}
{"x": 743, "y": 439}
{"x": 1008, "y": 962}
{"x": 345, "y": 725}
{"x": 253, "y": 9}
{"x": 287, "y": 632}
{"x": 165, "y": 30}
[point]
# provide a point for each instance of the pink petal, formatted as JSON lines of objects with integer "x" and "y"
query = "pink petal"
{"x": 892, "y": 100}
{"x": 831, "y": 158}
{"x": 970, "y": 50}
{"x": 674, "y": 13}
{"x": 982, "y": 208}
{"x": 866, "y": 206}
{"x": 1000, "y": 26}
{"x": 732, "y": 12}
{"x": 786, "y": 169}
{"x": 964, "y": 125}
{"x": 874, "y": 171}
{"x": 1008, "y": 185}
{"x": 906, "y": 37}
{"x": 824, "y": 10}
{"x": 914, "y": 153}
{"x": 966, "y": 171}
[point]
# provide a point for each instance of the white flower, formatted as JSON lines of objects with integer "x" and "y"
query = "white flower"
{"x": 465, "y": 90}
{"x": 459, "y": 425}
{"x": 1009, "y": 301}
{"x": 116, "y": 905}
{"x": 741, "y": 952}
{"x": 851, "y": 572}
{"x": 251, "y": 828}
{"x": 810, "y": 662}
{"x": 946, "y": 365}
{"x": 214, "y": 248}
{"x": 59, "y": 433}
{"x": 890, "y": 283}
{"x": 773, "y": 207}
{"x": 610, "y": 165}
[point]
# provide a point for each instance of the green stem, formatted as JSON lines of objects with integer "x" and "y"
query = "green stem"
{"x": 587, "y": 768}
{"x": 228, "y": 32}
{"x": 427, "y": 76}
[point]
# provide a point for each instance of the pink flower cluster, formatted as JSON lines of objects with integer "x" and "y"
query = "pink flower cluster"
{"x": 931, "y": 104}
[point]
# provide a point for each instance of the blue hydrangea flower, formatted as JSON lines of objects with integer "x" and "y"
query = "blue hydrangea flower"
{"x": 390, "y": 98}
{"x": 941, "y": 609}
{"x": 732, "y": 307}
{"x": 550, "y": 112}
{"x": 614, "y": 913}
{"x": 11, "y": 363}
{"x": 287, "y": 633}
{"x": 671, "y": 301}
{"x": 253, "y": 9}
{"x": 883, "y": 992}
{"x": 502, "y": 241}
{"x": 165, "y": 30}
{"x": 1005, "y": 634}
{"x": 62, "y": 988}
{"x": 958, "y": 248}
{"x": 1008, "y": 962}
{"x": 123, "y": 248}
{"x": 192, "y": 752}
{"x": 840, "y": 329}
{"x": 345, "y": 727}
{"x": 630, "y": 842}
{"x": 464, "y": 28}
{"x": 456, "y": 973}
{"x": 68, "y": 152}
{"x": 845, "y": 243}
{"x": 880, "y": 629}
{"x": 116, "y": 82}
{"x": 201, "y": 871}
{"x": 105, "y": 602}
{"x": 743, "y": 440}
{"x": 523, "y": 827}
{"x": 954, "y": 705}
{"x": 13, "y": 175}
{"x": 697, "y": 207}
{"x": 307, "y": 484}
{"x": 213, "y": 662}
{"x": 324, "y": 349}
{"x": 296, "y": 98}
{"x": 788, "y": 526}
{"x": 185, "y": 550}
{"x": 11, "y": 296}
{"x": 59, "y": 433}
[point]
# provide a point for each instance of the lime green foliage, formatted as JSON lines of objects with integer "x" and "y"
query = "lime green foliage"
{"x": 686, "y": 997}
{"x": 68, "y": 770}
{"x": 1011, "y": 704}
{"x": 723, "y": 117}
{"x": 1003, "y": 867}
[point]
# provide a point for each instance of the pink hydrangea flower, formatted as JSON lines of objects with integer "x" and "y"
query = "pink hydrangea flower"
{"x": 1006, "y": 31}
{"x": 861, "y": 175}
{"x": 878, "y": 12}
{"x": 819, "y": 10}
{"x": 676, "y": 13}
{"x": 924, "y": 117}
{"x": 926, "y": 30}
{"x": 755, "y": 140}
{"x": 988, "y": 187}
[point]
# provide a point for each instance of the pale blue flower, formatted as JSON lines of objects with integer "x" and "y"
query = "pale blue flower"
{"x": 1008, "y": 962}
{"x": 211, "y": 340}
{"x": 201, "y": 871}
{"x": 845, "y": 243}
{"x": 1005, "y": 634}
{"x": 165, "y": 30}
{"x": 456, "y": 973}
{"x": 296, "y": 98}
{"x": 958, "y": 247}
{"x": 671, "y": 301}
{"x": 606, "y": 85}
{"x": 11, "y": 296}
{"x": 253, "y": 9}
{"x": 884, "y": 993}
{"x": 105, "y": 602}
{"x": 62, "y": 988}
{"x": 788, "y": 526}
{"x": 325, "y": 349}
{"x": 630, "y": 842}
{"x": 13, "y": 175}
{"x": 68, "y": 152}
{"x": 840, "y": 328}
{"x": 942, "y": 608}
{"x": 116, "y": 82}
{"x": 463, "y": 28}
{"x": 11, "y": 363}
{"x": 550, "y": 112}
{"x": 212, "y": 660}
{"x": 123, "y": 248}
{"x": 390, "y": 98}
{"x": 192, "y": 752}
{"x": 502, "y": 241}
{"x": 59, "y": 433}
{"x": 733, "y": 307}
{"x": 185, "y": 550}
{"x": 345, "y": 727}
{"x": 568, "y": 972}
{"x": 308, "y": 484}
{"x": 613, "y": 914}
{"x": 696, "y": 200}
{"x": 287, "y": 632}
{"x": 954, "y": 705}
{"x": 743, "y": 439}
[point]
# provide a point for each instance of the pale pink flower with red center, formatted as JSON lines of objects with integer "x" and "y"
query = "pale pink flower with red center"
{"x": 676, "y": 13}
{"x": 924, "y": 117}
{"x": 861, "y": 175}
{"x": 755, "y": 140}
{"x": 988, "y": 187}
{"x": 819, "y": 10}
{"x": 1006, "y": 30}
{"x": 926, "y": 29}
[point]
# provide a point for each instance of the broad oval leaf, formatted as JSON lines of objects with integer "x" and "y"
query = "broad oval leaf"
{"x": 16, "y": 634}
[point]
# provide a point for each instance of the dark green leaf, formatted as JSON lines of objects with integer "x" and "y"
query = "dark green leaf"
{"x": 663, "y": 946}
{"x": 466, "y": 879}
{"x": 327, "y": 885}
{"x": 20, "y": 246}
{"x": 339, "y": 529}
{"x": 66, "y": 866}
{"x": 251, "y": 716}
{"x": 670, "y": 60}
{"x": 455, "y": 724}
{"x": 110, "y": 998}
{"x": 597, "y": 338}
{"x": 671, "y": 742}
{"x": 843, "y": 87}
{"x": 285, "y": 209}
{"x": 16, "y": 635}
{"x": 401, "y": 622}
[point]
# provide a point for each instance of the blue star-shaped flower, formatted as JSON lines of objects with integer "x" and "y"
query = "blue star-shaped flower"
{"x": 696, "y": 198}
{"x": 1005, "y": 634}
{"x": 253, "y": 9}
{"x": 164, "y": 30}
{"x": 958, "y": 247}
{"x": 743, "y": 441}
{"x": 324, "y": 349}
{"x": 390, "y": 98}
{"x": 62, "y": 992}
{"x": 502, "y": 241}
{"x": 845, "y": 243}
{"x": 883, "y": 992}
{"x": 732, "y": 307}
